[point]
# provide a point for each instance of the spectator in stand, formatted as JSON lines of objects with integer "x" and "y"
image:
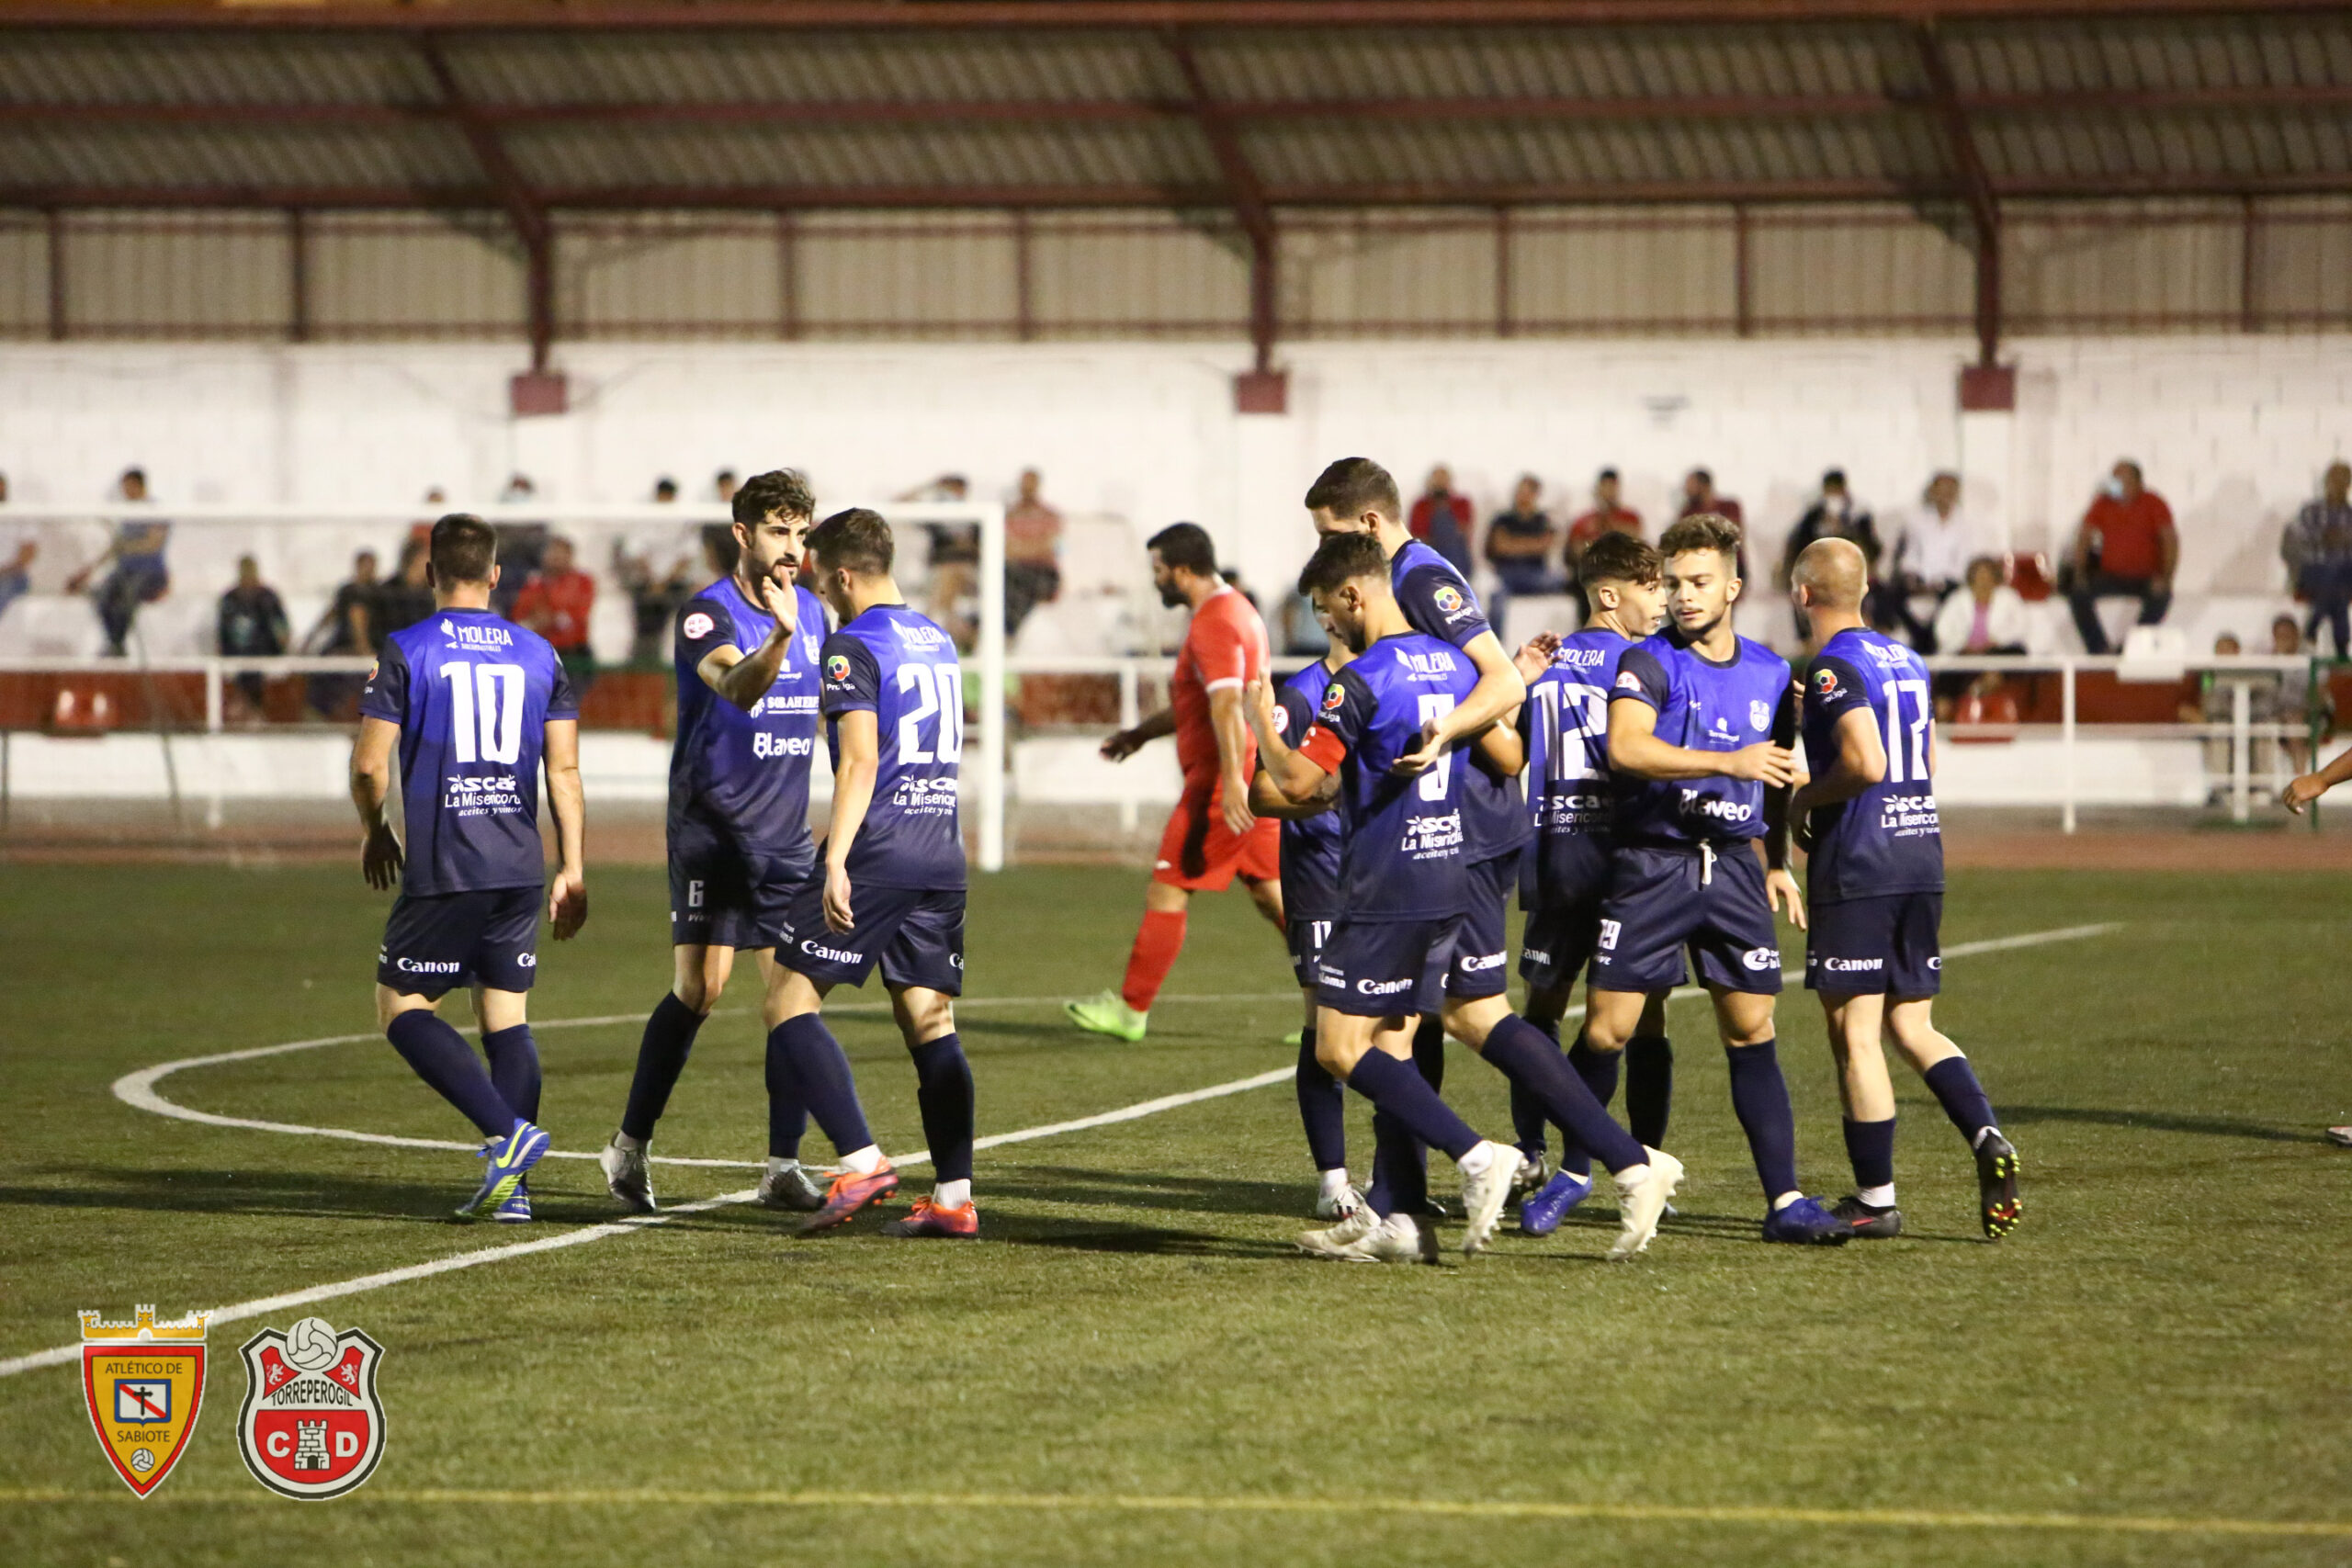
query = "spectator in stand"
{"x": 251, "y": 625}
{"x": 405, "y": 600}
{"x": 348, "y": 629}
{"x": 1934, "y": 549}
{"x": 2317, "y": 548}
{"x": 2211, "y": 706}
{"x": 556, "y": 603}
{"x": 954, "y": 589}
{"x": 520, "y": 546}
{"x": 436, "y": 502}
{"x": 1232, "y": 575}
{"x": 1519, "y": 543}
{"x": 17, "y": 548}
{"x": 1303, "y": 634}
{"x": 1836, "y": 515}
{"x": 1988, "y": 618}
{"x": 1033, "y": 549}
{"x": 2297, "y": 700}
{"x": 653, "y": 564}
{"x": 2126, "y": 549}
{"x": 1698, "y": 494}
{"x": 1608, "y": 516}
{"x": 1441, "y": 520}
{"x": 139, "y": 576}
{"x": 719, "y": 547}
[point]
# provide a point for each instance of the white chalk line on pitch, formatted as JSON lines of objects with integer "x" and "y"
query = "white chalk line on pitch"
{"x": 135, "y": 1089}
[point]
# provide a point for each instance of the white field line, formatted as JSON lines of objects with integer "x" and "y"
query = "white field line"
{"x": 136, "y": 1090}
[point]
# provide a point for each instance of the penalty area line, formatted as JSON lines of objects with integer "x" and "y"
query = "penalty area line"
{"x": 1353, "y": 1505}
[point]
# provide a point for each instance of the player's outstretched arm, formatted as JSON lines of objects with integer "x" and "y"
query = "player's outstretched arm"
{"x": 1298, "y": 779}
{"x": 371, "y": 787}
{"x": 1267, "y": 799}
{"x": 1499, "y": 690}
{"x": 1635, "y": 748}
{"x": 859, "y": 736}
{"x": 2312, "y": 785}
{"x": 1128, "y": 742}
{"x": 568, "y": 894}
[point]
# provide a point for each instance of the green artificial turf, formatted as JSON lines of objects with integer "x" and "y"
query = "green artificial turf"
{"x": 2164, "y": 1340}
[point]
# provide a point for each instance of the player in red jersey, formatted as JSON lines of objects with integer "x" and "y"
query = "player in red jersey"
{"x": 1212, "y": 836}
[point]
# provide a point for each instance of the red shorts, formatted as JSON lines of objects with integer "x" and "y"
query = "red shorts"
{"x": 1200, "y": 853}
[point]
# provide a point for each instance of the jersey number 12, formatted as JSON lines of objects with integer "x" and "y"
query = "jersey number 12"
{"x": 485, "y": 711}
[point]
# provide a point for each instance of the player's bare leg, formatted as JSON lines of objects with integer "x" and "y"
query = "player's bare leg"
{"x": 944, "y": 1094}
{"x": 1157, "y": 941}
{"x": 699, "y": 978}
{"x": 806, "y": 1068}
{"x": 1950, "y": 1079}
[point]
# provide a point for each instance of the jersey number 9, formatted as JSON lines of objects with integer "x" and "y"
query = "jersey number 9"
{"x": 1436, "y": 705}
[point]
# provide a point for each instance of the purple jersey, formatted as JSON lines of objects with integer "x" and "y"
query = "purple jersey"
{"x": 473, "y": 694}
{"x": 1704, "y": 706}
{"x": 1887, "y": 838}
{"x": 1405, "y": 854}
{"x": 899, "y": 667}
{"x": 1566, "y": 724}
{"x": 747, "y": 772}
{"x": 1438, "y": 601}
{"x": 1311, "y": 859}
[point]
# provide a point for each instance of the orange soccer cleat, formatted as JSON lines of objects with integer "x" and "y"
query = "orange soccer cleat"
{"x": 850, "y": 1192}
{"x": 931, "y": 1219}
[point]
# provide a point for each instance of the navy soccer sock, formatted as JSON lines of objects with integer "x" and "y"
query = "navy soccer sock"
{"x": 440, "y": 1056}
{"x": 1396, "y": 1088}
{"x": 1428, "y": 1052}
{"x": 1518, "y": 1049}
{"x": 943, "y": 1095}
{"x": 807, "y": 1067}
{"x": 1400, "y": 1174}
{"x": 1527, "y": 1118}
{"x": 1322, "y": 1110}
{"x": 1954, "y": 1083}
{"x": 1760, "y": 1098}
{"x": 661, "y": 1057}
{"x": 1598, "y": 1071}
{"x": 1869, "y": 1145}
{"x": 514, "y": 1068}
{"x": 1649, "y": 1087}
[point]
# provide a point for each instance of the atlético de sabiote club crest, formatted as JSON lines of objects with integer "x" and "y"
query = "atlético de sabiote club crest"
{"x": 311, "y": 1427}
{"x": 144, "y": 1381}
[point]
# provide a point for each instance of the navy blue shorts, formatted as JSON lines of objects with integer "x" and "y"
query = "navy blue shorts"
{"x": 722, "y": 895}
{"x": 1559, "y": 941}
{"x": 1887, "y": 945}
{"x": 441, "y": 941}
{"x": 916, "y": 935}
{"x": 1486, "y": 930}
{"x": 1306, "y": 938}
{"x": 1393, "y": 969}
{"x": 1662, "y": 902}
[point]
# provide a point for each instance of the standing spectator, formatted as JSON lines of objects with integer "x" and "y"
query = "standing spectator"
{"x": 1033, "y": 548}
{"x": 139, "y": 576}
{"x": 348, "y": 628}
{"x": 1934, "y": 550}
{"x": 1698, "y": 494}
{"x": 1609, "y": 515}
{"x": 652, "y": 563}
{"x": 555, "y": 603}
{"x": 17, "y": 548}
{"x": 2126, "y": 549}
{"x": 1835, "y": 516}
{"x": 251, "y": 625}
{"x": 520, "y": 546}
{"x": 1442, "y": 519}
{"x": 1989, "y": 618}
{"x": 405, "y": 600}
{"x": 2317, "y": 548}
{"x": 955, "y": 579}
{"x": 1519, "y": 543}
{"x": 719, "y": 547}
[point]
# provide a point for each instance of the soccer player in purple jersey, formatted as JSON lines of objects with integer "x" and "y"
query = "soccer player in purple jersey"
{"x": 1406, "y": 898}
{"x": 738, "y": 840}
{"x": 475, "y": 705}
{"x": 1700, "y": 719}
{"x": 890, "y": 888}
{"x": 1875, "y": 879}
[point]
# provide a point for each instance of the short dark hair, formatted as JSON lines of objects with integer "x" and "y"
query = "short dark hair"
{"x": 464, "y": 549}
{"x": 782, "y": 492}
{"x": 1353, "y": 486}
{"x": 1833, "y": 476}
{"x": 1605, "y": 474}
{"x": 1618, "y": 556}
{"x": 1342, "y": 558}
{"x": 1186, "y": 545}
{"x": 858, "y": 539}
{"x": 1701, "y": 531}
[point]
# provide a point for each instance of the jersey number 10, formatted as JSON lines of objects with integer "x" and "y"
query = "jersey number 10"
{"x": 939, "y": 688}
{"x": 485, "y": 711}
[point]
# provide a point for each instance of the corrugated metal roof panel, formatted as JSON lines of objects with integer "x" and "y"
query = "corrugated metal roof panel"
{"x": 2187, "y": 51}
{"x": 2218, "y": 144}
{"x": 156, "y": 157}
{"x": 212, "y": 68}
{"x": 1030, "y": 155}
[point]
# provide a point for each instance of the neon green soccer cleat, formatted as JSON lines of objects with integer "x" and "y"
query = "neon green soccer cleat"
{"x": 1108, "y": 1014}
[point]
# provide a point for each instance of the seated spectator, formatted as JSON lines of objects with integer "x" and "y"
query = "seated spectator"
{"x": 1934, "y": 549}
{"x": 17, "y": 548}
{"x": 520, "y": 546}
{"x": 1519, "y": 543}
{"x": 436, "y": 501}
{"x": 2212, "y": 706}
{"x": 1989, "y": 618}
{"x": 2317, "y": 548}
{"x": 1440, "y": 519}
{"x": 1608, "y": 516}
{"x": 2298, "y": 701}
{"x": 555, "y": 603}
{"x": 953, "y": 591}
{"x": 1698, "y": 494}
{"x": 1033, "y": 549}
{"x": 348, "y": 629}
{"x": 1302, "y": 633}
{"x": 2125, "y": 548}
{"x": 139, "y": 576}
{"x": 404, "y": 601}
{"x": 1232, "y": 575}
{"x": 251, "y": 625}
{"x": 719, "y": 545}
{"x": 1835, "y": 514}
{"x": 651, "y": 564}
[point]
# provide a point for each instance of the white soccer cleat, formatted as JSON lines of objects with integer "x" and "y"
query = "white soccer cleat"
{"x": 626, "y": 1175}
{"x": 1484, "y": 1195}
{"x": 1641, "y": 1204}
{"x": 790, "y": 1187}
{"x": 1342, "y": 1242}
{"x": 1339, "y": 1204}
{"x": 1399, "y": 1239}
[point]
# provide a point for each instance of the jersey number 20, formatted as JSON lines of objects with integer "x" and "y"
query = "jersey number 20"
{"x": 485, "y": 711}
{"x": 939, "y": 688}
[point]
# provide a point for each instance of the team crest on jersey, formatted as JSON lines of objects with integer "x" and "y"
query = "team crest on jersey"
{"x": 696, "y": 625}
{"x": 1629, "y": 682}
{"x": 1759, "y": 713}
{"x": 1448, "y": 597}
{"x": 1281, "y": 721}
{"x": 144, "y": 1384}
{"x": 311, "y": 1427}
{"x": 1824, "y": 683}
{"x": 837, "y": 667}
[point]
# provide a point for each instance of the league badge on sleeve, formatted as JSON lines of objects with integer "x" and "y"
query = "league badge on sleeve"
{"x": 837, "y": 668}
{"x": 143, "y": 1382}
{"x": 1824, "y": 682}
{"x": 311, "y": 1427}
{"x": 1449, "y": 599}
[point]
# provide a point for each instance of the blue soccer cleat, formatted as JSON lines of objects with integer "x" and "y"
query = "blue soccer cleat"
{"x": 1540, "y": 1212}
{"x": 511, "y": 1159}
{"x": 1808, "y": 1221}
{"x": 516, "y": 1210}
